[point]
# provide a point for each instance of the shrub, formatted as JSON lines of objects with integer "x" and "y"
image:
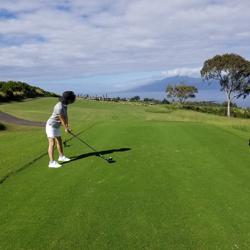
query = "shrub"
{"x": 218, "y": 109}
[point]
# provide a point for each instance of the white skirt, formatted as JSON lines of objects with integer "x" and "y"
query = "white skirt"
{"x": 52, "y": 132}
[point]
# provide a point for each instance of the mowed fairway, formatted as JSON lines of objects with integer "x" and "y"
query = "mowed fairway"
{"x": 181, "y": 180}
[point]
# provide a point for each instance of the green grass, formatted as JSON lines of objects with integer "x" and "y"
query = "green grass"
{"x": 184, "y": 183}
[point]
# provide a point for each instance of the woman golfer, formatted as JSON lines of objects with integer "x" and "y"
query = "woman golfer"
{"x": 59, "y": 117}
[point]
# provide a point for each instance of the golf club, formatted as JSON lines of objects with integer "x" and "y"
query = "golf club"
{"x": 109, "y": 159}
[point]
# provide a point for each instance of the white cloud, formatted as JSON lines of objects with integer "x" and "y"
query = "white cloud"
{"x": 182, "y": 72}
{"x": 111, "y": 36}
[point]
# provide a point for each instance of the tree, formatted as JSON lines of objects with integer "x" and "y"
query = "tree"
{"x": 165, "y": 101}
{"x": 181, "y": 92}
{"x": 135, "y": 98}
{"x": 233, "y": 73}
{"x": 170, "y": 92}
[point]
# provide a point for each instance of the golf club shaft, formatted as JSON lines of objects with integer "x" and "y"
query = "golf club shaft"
{"x": 88, "y": 145}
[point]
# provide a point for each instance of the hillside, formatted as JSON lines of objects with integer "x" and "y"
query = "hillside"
{"x": 13, "y": 90}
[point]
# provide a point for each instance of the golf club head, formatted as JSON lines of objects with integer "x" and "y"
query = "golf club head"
{"x": 65, "y": 144}
{"x": 110, "y": 160}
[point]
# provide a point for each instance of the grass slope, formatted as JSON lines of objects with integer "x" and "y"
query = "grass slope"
{"x": 182, "y": 181}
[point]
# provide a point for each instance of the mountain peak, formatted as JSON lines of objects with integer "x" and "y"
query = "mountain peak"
{"x": 160, "y": 85}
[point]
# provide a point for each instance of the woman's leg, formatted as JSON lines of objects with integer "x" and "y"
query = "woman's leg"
{"x": 59, "y": 145}
{"x": 51, "y": 148}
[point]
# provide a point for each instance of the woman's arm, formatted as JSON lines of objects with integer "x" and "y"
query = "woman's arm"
{"x": 64, "y": 123}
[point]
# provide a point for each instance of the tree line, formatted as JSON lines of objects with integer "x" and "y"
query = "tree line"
{"x": 136, "y": 98}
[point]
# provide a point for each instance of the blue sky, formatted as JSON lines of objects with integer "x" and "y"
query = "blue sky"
{"x": 114, "y": 45}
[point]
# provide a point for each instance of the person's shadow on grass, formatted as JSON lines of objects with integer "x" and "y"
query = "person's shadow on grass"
{"x": 104, "y": 152}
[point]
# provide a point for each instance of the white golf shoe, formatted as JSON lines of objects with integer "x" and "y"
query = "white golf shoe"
{"x": 54, "y": 164}
{"x": 63, "y": 159}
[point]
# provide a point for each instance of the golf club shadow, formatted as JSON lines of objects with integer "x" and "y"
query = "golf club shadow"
{"x": 104, "y": 152}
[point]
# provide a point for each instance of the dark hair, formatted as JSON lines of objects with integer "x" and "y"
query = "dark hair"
{"x": 67, "y": 97}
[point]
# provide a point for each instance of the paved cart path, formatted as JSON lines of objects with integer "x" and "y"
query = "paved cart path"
{"x": 5, "y": 117}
